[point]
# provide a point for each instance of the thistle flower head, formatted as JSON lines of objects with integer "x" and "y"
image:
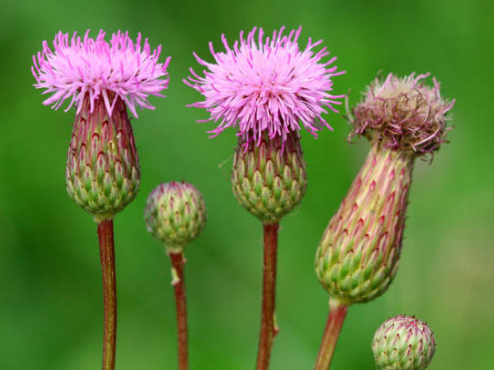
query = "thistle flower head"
{"x": 403, "y": 343}
{"x": 267, "y": 84}
{"x": 79, "y": 69}
{"x": 175, "y": 214}
{"x": 403, "y": 113}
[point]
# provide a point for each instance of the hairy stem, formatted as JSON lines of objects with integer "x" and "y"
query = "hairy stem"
{"x": 268, "y": 323}
{"x": 337, "y": 314}
{"x": 107, "y": 255}
{"x": 178, "y": 262}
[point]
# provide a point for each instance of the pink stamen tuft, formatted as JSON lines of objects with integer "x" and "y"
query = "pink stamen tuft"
{"x": 85, "y": 69}
{"x": 266, "y": 85}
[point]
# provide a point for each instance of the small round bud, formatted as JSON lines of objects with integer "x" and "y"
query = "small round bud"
{"x": 269, "y": 179}
{"x": 403, "y": 114}
{"x": 403, "y": 343}
{"x": 175, "y": 213}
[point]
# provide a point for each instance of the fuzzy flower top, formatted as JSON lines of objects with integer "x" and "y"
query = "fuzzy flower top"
{"x": 403, "y": 113}
{"x": 267, "y": 85}
{"x": 79, "y": 69}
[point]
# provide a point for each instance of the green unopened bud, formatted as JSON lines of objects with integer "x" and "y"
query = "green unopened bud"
{"x": 269, "y": 179}
{"x": 102, "y": 173}
{"x": 403, "y": 343}
{"x": 175, "y": 214}
{"x": 358, "y": 255}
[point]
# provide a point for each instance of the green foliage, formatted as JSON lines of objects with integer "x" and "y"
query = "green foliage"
{"x": 50, "y": 277}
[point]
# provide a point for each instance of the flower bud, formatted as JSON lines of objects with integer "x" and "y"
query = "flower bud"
{"x": 175, "y": 214}
{"x": 102, "y": 173}
{"x": 269, "y": 179}
{"x": 403, "y": 343}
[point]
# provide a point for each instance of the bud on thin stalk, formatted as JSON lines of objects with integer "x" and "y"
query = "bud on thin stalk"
{"x": 175, "y": 214}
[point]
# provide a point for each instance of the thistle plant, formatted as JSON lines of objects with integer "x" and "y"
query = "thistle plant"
{"x": 403, "y": 343}
{"x": 268, "y": 88}
{"x": 175, "y": 214}
{"x": 359, "y": 253}
{"x": 101, "y": 80}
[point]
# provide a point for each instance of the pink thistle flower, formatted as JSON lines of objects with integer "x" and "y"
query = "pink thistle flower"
{"x": 267, "y": 85}
{"x": 403, "y": 113}
{"x": 88, "y": 68}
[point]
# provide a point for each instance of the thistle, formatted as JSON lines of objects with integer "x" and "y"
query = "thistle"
{"x": 175, "y": 214}
{"x": 403, "y": 343}
{"x": 358, "y": 255}
{"x": 268, "y": 88}
{"x": 101, "y": 80}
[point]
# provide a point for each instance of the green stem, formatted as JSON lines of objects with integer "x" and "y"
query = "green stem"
{"x": 268, "y": 323}
{"x": 337, "y": 314}
{"x": 107, "y": 255}
{"x": 178, "y": 262}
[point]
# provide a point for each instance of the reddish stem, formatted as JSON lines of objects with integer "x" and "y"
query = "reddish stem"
{"x": 337, "y": 314}
{"x": 178, "y": 262}
{"x": 107, "y": 255}
{"x": 268, "y": 324}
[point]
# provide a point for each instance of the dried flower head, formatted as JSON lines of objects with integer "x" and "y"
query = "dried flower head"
{"x": 403, "y": 114}
{"x": 267, "y": 84}
{"x": 88, "y": 68}
{"x": 403, "y": 343}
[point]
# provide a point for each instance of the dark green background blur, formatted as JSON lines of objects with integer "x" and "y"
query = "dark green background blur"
{"x": 50, "y": 283}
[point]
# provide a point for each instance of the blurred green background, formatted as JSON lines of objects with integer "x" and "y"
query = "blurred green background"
{"x": 50, "y": 284}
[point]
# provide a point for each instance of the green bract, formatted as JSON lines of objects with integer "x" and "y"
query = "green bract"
{"x": 358, "y": 255}
{"x": 103, "y": 172}
{"x": 175, "y": 214}
{"x": 403, "y": 343}
{"x": 269, "y": 180}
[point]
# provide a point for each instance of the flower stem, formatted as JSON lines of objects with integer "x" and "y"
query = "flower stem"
{"x": 337, "y": 314}
{"x": 268, "y": 324}
{"x": 178, "y": 262}
{"x": 107, "y": 255}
